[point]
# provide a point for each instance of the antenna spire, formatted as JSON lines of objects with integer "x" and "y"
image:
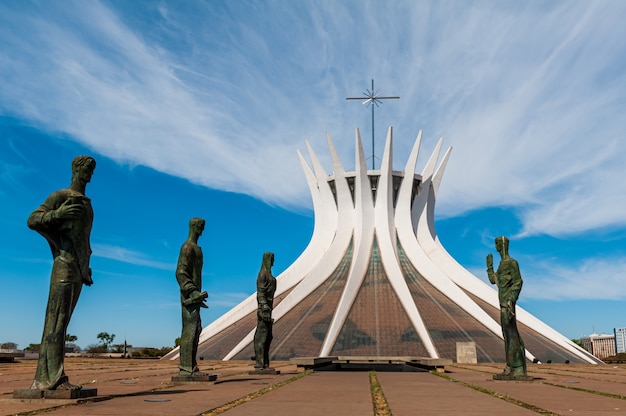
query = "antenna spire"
{"x": 372, "y": 98}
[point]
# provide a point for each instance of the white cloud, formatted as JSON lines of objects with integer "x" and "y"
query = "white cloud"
{"x": 538, "y": 127}
{"x": 594, "y": 278}
{"x": 591, "y": 279}
{"x": 129, "y": 256}
{"x": 530, "y": 95}
{"x": 226, "y": 300}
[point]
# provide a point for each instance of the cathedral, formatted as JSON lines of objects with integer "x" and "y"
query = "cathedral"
{"x": 375, "y": 280}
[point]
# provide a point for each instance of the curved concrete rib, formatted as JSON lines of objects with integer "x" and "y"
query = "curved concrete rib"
{"x": 431, "y": 245}
{"x": 363, "y": 238}
{"x": 418, "y": 258}
{"x": 477, "y": 287}
{"x": 386, "y": 233}
{"x": 323, "y": 233}
{"x": 426, "y": 232}
{"x": 333, "y": 252}
{"x": 346, "y": 217}
{"x": 428, "y": 170}
{"x": 438, "y": 175}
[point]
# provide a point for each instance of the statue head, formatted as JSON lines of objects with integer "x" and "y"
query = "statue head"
{"x": 502, "y": 244}
{"x": 196, "y": 226}
{"x": 82, "y": 168}
{"x": 268, "y": 260}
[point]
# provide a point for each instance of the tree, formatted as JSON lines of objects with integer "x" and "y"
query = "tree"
{"x": 71, "y": 347}
{"x": 106, "y": 339}
{"x": 177, "y": 342}
{"x": 578, "y": 342}
{"x": 117, "y": 347}
{"x": 33, "y": 347}
{"x": 69, "y": 338}
{"x": 151, "y": 352}
{"x": 8, "y": 346}
{"x": 96, "y": 349}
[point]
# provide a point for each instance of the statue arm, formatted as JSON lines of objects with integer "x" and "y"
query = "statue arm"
{"x": 261, "y": 296}
{"x": 44, "y": 218}
{"x": 55, "y": 210}
{"x": 184, "y": 271}
{"x": 516, "y": 280}
{"x": 490, "y": 273}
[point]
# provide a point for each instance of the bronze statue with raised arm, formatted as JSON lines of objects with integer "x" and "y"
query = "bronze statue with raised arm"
{"x": 509, "y": 282}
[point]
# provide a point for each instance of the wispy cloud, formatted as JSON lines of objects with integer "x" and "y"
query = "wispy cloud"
{"x": 588, "y": 279}
{"x": 129, "y": 256}
{"x": 226, "y": 299}
{"x": 596, "y": 278}
{"x": 539, "y": 128}
{"x": 531, "y": 95}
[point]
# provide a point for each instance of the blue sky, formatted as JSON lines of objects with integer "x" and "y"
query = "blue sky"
{"x": 198, "y": 108}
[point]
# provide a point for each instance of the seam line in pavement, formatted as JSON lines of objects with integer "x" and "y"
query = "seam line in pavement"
{"x": 44, "y": 410}
{"x": 599, "y": 393}
{"x": 379, "y": 402}
{"x": 223, "y": 408}
{"x": 497, "y": 395}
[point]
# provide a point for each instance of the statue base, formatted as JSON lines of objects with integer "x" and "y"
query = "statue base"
{"x": 511, "y": 377}
{"x": 264, "y": 371}
{"x": 54, "y": 394}
{"x": 195, "y": 378}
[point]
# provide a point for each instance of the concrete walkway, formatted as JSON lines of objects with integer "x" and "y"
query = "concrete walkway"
{"x": 143, "y": 387}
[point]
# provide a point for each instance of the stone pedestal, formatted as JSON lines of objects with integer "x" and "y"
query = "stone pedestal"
{"x": 264, "y": 372}
{"x": 509, "y": 377}
{"x": 195, "y": 378}
{"x": 466, "y": 353}
{"x": 54, "y": 394}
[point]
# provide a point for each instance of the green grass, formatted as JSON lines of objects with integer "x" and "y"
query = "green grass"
{"x": 251, "y": 396}
{"x": 497, "y": 395}
{"x": 599, "y": 393}
{"x": 379, "y": 403}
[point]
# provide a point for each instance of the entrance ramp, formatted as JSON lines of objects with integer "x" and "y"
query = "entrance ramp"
{"x": 369, "y": 363}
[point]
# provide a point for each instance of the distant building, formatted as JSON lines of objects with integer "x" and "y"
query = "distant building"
{"x": 600, "y": 345}
{"x": 620, "y": 339}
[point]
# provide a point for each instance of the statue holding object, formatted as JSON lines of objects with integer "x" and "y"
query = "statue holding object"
{"x": 266, "y": 287}
{"x": 64, "y": 220}
{"x": 189, "y": 277}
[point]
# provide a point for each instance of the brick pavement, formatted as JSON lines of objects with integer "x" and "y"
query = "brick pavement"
{"x": 561, "y": 389}
{"x": 143, "y": 387}
{"x": 432, "y": 395}
{"x": 321, "y": 393}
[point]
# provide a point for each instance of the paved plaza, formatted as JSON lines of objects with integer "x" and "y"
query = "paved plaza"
{"x": 144, "y": 387}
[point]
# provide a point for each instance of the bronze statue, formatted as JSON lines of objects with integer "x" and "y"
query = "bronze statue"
{"x": 509, "y": 282}
{"x": 265, "y": 289}
{"x": 64, "y": 220}
{"x": 189, "y": 277}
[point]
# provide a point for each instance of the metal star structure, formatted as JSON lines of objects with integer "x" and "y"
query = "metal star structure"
{"x": 373, "y": 99}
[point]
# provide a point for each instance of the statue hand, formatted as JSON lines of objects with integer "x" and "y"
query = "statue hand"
{"x": 266, "y": 315}
{"x": 197, "y": 297}
{"x": 68, "y": 211}
{"x": 87, "y": 280}
{"x": 196, "y": 294}
{"x": 490, "y": 272}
